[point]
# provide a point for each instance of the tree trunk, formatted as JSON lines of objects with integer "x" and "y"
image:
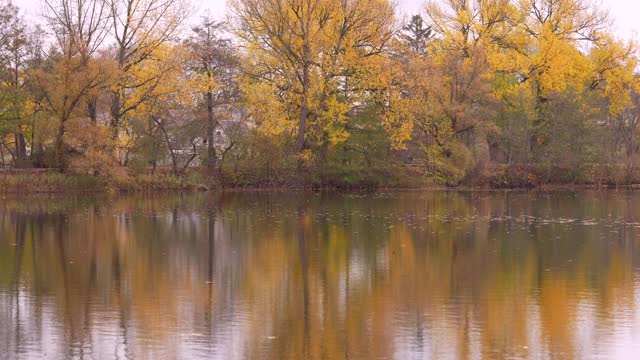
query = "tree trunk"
{"x": 21, "y": 149}
{"x": 34, "y": 146}
{"x": 116, "y": 98}
{"x": 212, "y": 157}
{"x": 2, "y": 156}
{"x": 538, "y": 122}
{"x": 193, "y": 156}
{"x": 302, "y": 123}
{"x": 115, "y": 115}
{"x": 92, "y": 109}
{"x": 304, "y": 111}
{"x": 167, "y": 138}
{"x": 60, "y": 158}
{"x": 11, "y": 154}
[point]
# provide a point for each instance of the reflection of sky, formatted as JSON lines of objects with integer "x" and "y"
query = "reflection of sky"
{"x": 624, "y": 11}
{"x": 626, "y": 342}
{"x": 110, "y": 337}
{"x": 617, "y": 338}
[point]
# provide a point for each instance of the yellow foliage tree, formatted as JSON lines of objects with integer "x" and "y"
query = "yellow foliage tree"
{"x": 317, "y": 58}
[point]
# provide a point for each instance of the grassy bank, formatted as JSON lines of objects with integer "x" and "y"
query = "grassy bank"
{"x": 497, "y": 177}
{"x": 53, "y": 182}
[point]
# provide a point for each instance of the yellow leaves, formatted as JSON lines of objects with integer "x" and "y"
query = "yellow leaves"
{"x": 157, "y": 83}
{"x": 465, "y": 17}
{"x": 316, "y": 57}
{"x": 334, "y": 119}
{"x": 614, "y": 67}
{"x": 306, "y": 155}
{"x": 398, "y": 122}
{"x": 203, "y": 82}
{"x": 466, "y": 24}
{"x": 559, "y": 64}
{"x": 538, "y": 41}
{"x": 267, "y": 111}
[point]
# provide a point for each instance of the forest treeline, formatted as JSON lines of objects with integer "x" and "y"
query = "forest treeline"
{"x": 322, "y": 92}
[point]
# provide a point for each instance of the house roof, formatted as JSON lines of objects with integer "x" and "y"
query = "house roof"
{"x": 229, "y": 118}
{"x": 232, "y": 126}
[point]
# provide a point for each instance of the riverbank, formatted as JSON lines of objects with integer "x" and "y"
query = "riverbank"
{"x": 47, "y": 181}
{"x": 34, "y": 181}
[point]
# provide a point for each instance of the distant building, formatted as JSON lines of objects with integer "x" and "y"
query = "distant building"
{"x": 227, "y": 133}
{"x": 192, "y": 147}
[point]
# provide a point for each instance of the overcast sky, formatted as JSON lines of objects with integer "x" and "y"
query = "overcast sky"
{"x": 624, "y": 12}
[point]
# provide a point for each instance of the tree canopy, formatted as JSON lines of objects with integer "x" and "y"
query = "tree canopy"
{"x": 327, "y": 92}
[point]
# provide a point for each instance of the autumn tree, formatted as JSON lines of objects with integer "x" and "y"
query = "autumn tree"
{"x": 310, "y": 55}
{"x": 462, "y": 24}
{"x": 441, "y": 102}
{"x": 548, "y": 56}
{"x": 614, "y": 80}
{"x": 168, "y": 115}
{"x": 139, "y": 28}
{"x": 438, "y": 104}
{"x": 536, "y": 55}
{"x": 72, "y": 72}
{"x": 215, "y": 63}
{"x": 14, "y": 55}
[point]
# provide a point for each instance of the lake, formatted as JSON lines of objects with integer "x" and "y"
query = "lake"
{"x": 397, "y": 275}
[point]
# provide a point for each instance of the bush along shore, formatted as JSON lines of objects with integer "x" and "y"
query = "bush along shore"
{"x": 24, "y": 181}
{"x": 32, "y": 181}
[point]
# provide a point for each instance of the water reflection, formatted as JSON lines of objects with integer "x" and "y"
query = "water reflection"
{"x": 440, "y": 275}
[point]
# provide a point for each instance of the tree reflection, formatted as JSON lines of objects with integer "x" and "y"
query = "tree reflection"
{"x": 422, "y": 275}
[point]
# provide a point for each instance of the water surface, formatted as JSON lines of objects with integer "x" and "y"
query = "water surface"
{"x": 400, "y": 275}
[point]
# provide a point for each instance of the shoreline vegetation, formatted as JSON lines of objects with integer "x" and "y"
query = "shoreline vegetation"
{"x": 50, "y": 181}
{"x": 142, "y": 95}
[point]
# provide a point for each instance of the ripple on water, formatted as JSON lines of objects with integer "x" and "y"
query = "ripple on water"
{"x": 394, "y": 275}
